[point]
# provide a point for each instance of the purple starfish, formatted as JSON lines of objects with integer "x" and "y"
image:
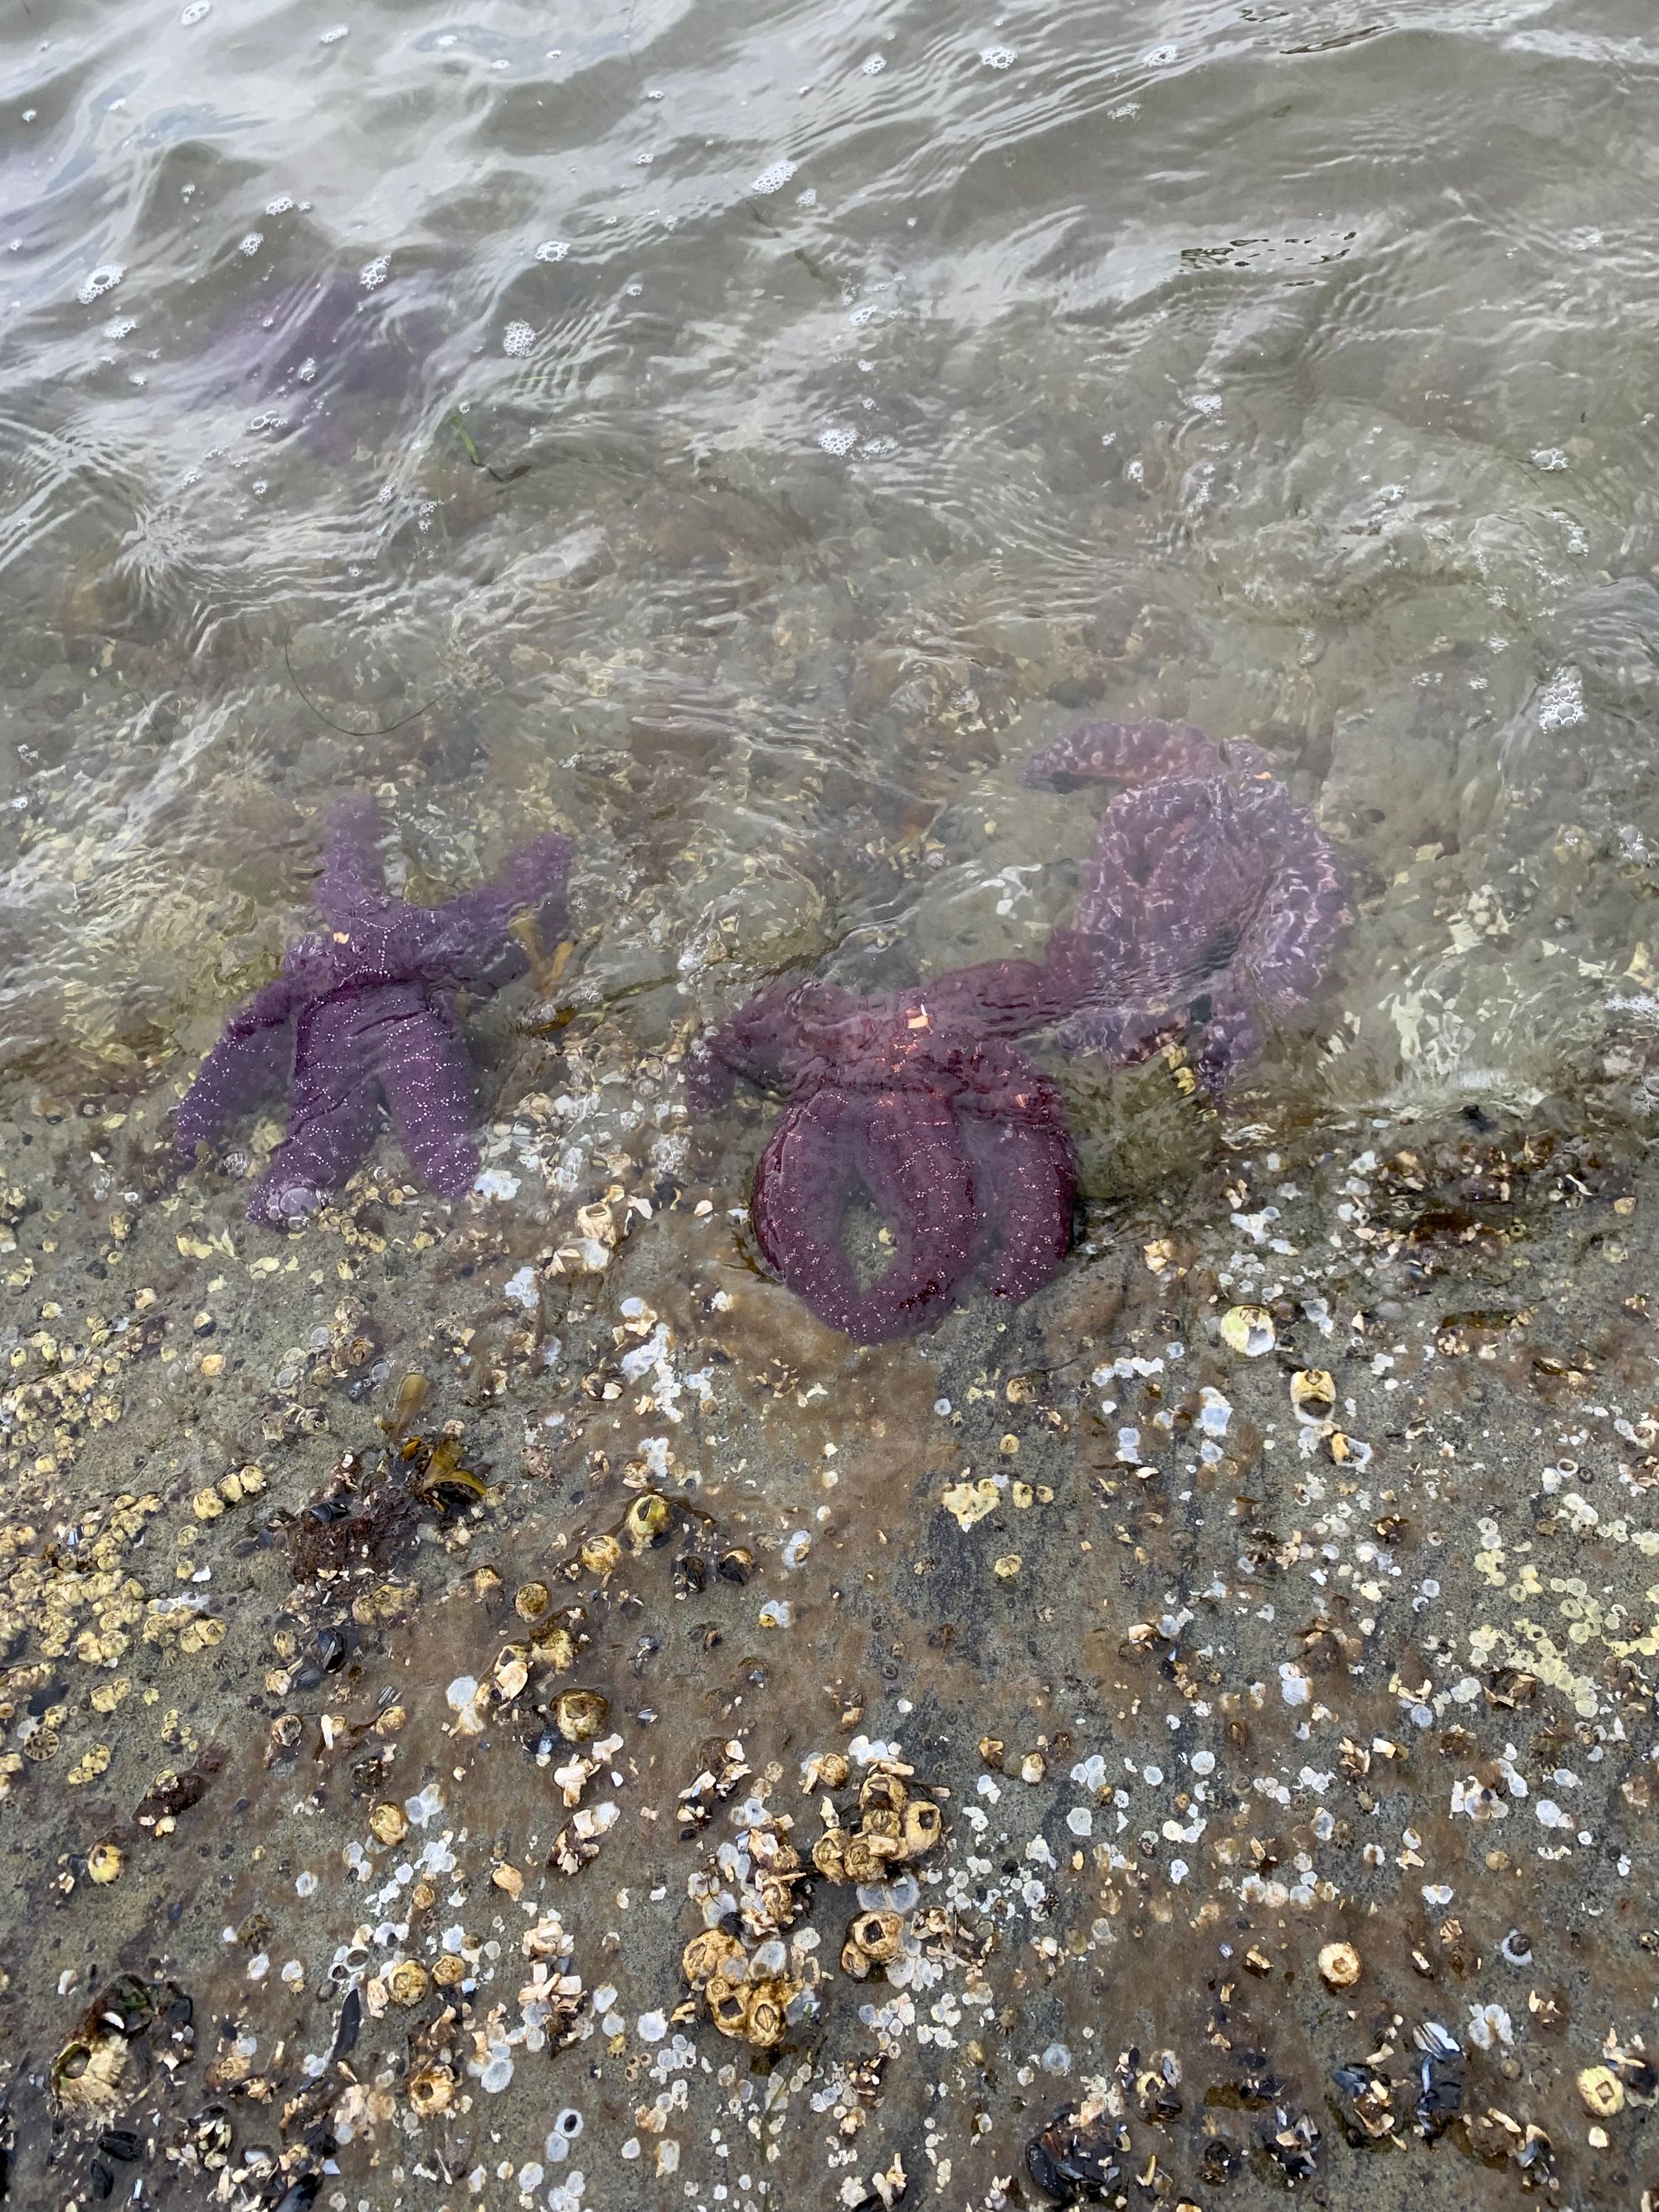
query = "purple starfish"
{"x": 367, "y": 1010}
{"x": 312, "y": 358}
{"x": 1212, "y": 900}
{"x": 958, "y": 1140}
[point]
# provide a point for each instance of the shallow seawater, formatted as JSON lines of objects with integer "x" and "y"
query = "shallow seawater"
{"x": 740, "y": 437}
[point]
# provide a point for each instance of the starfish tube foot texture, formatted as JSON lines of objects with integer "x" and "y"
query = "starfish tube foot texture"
{"x": 366, "y": 1012}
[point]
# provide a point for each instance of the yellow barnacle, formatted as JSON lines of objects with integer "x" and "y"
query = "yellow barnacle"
{"x": 407, "y": 1983}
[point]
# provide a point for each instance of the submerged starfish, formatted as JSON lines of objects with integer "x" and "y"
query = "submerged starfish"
{"x": 1212, "y": 900}
{"x": 917, "y": 1101}
{"x": 367, "y": 1010}
{"x": 316, "y": 359}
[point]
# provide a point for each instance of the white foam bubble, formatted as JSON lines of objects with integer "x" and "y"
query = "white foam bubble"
{"x": 374, "y": 274}
{"x": 838, "y": 440}
{"x": 999, "y": 57}
{"x": 552, "y": 249}
{"x": 518, "y": 339}
{"x": 774, "y": 179}
{"x": 195, "y": 12}
{"x": 97, "y": 281}
{"x": 251, "y": 243}
{"x": 1561, "y": 701}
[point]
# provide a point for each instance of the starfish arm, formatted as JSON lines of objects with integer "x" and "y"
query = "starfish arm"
{"x": 1288, "y": 947}
{"x": 805, "y": 1177}
{"x": 1123, "y": 752}
{"x": 1206, "y": 880}
{"x": 1179, "y": 877}
{"x": 351, "y": 889}
{"x": 1025, "y": 1165}
{"x": 248, "y": 1061}
{"x": 469, "y": 939}
{"x": 1011, "y": 998}
{"x": 905, "y": 1150}
{"x": 1083, "y": 969}
{"x": 333, "y": 1108}
{"x": 535, "y": 872}
{"x": 1230, "y": 1037}
{"x": 1165, "y": 892}
{"x": 917, "y": 1172}
{"x": 426, "y": 1074}
{"x": 764, "y": 1042}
